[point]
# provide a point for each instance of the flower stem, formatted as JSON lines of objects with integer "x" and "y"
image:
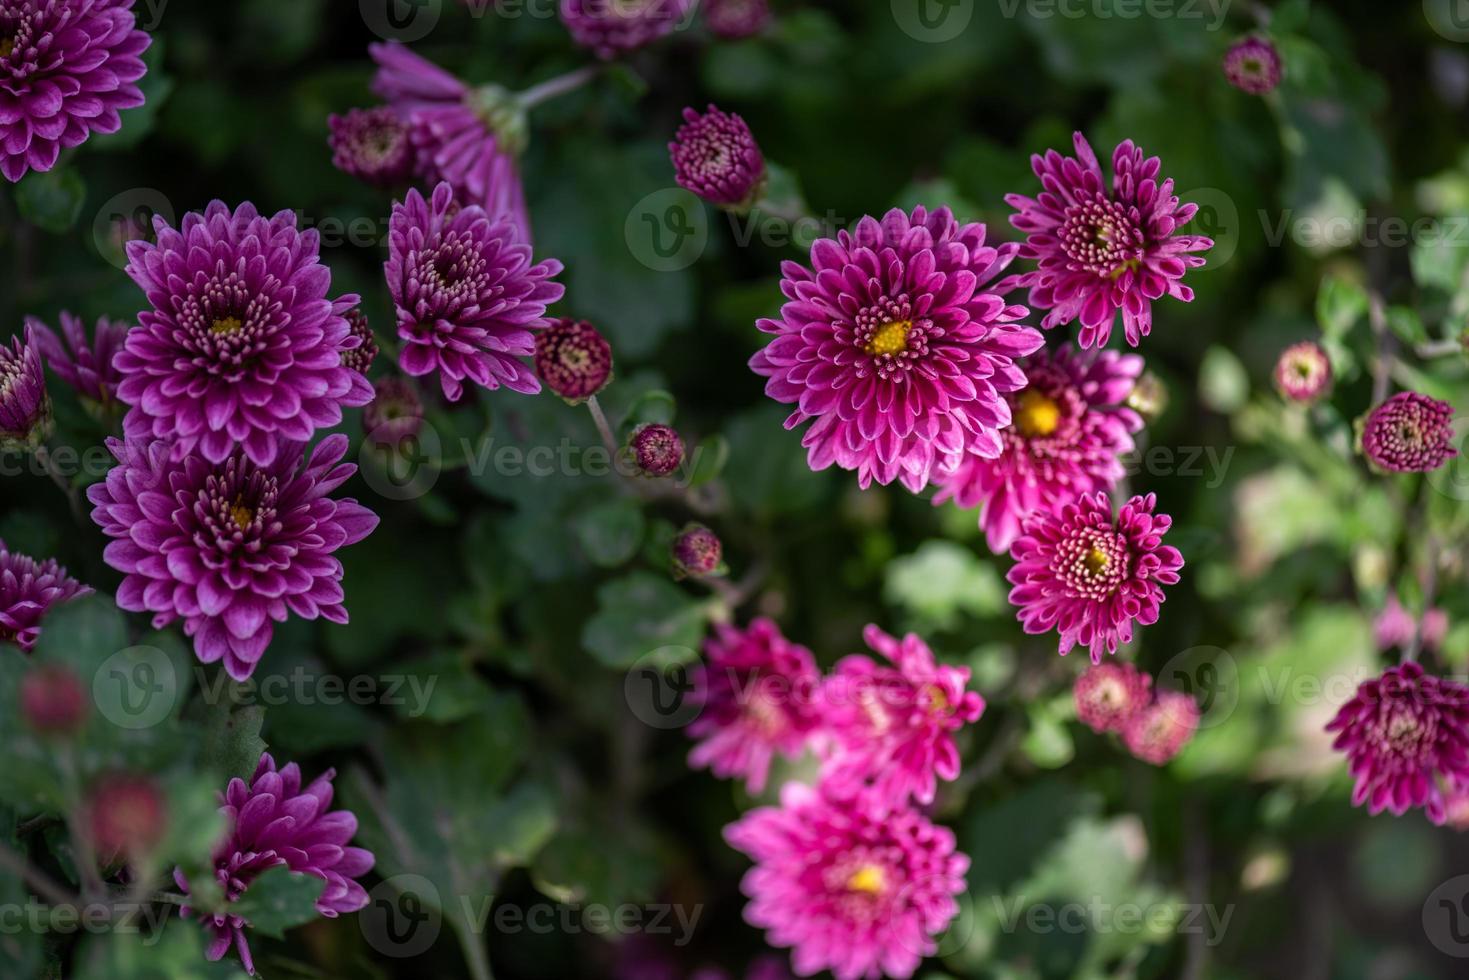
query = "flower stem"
{"x": 553, "y": 87}
{"x": 603, "y": 429}
{"x": 475, "y": 956}
{"x": 43, "y": 456}
{"x": 44, "y": 885}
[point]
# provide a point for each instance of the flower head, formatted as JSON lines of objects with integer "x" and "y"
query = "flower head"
{"x": 127, "y": 816}
{"x": 360, "y": 348}
{"x": 231, "y": 547}
{"x": 394, "y": 414}
{"x": 1108, "y": 694}
{"x": 1089, "y": 575}
{"x": 716, "y": 157}
{"x": 1409, "y": 433}
{"x": 1157, "y": 732}
{"x": 467, "y": 292}
{"x": 893, "y": 726}
{"x": 373, "y": 145}
{"x": 1396, "y": 627}
{"x": 894, "y": 350}
{"x": 1253, "y": 65}
{"x": 697, "y": 552}
{"x": 848, "y": 885}
{"x": 613, "y": 27}
{"x": 85, "y": 365}
{"x": 735, "y": 19}
{"x": 273, "y": 821}
{"x": 52, "y": 700}
{"x": 573, "y": 359}
{"x": 1067, "y": 433}
{"x": 1104, "y": 249}
{"x": 1303, "y": 372}
{"x": 28, "y": 589}
{"x": 242, "y": 347}
{"x": 1403, "y": 733}
{"x": 25, "y": 408}
{"x": 657, "y": 449}
{"x": 66, "y": 68}
{"x": 756, "y": 692}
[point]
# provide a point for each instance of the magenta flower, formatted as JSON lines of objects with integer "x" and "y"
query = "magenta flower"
{"x": 890, "y": 343}
{"x": 274, "y": 821}
{"x": 847, "y": 884}
{"x": 359, "y": 350}
{"x": 85, "y": 365}
{"x": 1157, "y": 732}
{"x": 731, "y": 20}
{"x": 463, "y": 135}
{"x": 657, "y": 449}
{"x": 1069, "y": 429}
{"x": 1396, "y": 627}
{"x": 893, "y": 727}
{"x": 716, "y": 157}
{"x": 66, "y": 68}
{"x": 1101, "y": 250}
{"x": 613, "y": 27}
{"x": 242, "y": 346}
{"x": 25, "y": 407}
{"x": 372, "y": 145}
{"x": 1108, "y": 694}
{"x": 1303, "y": 372}
{"x": 757, "y": 695}
{"x": 1090, "y": 576}
{"x": 1405, "y": 733}
{"x": 28, "y": 589}
{"x": 697, "y": 552}
{"x": 1253, "y": 65}
{"x": 573, "y": 359}
{"x": 229, "y": 547}
{"x": 1409, "y": 433}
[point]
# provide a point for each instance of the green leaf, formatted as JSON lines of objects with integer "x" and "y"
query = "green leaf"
{"x": 640, "y": 614}
{"x": 128, "y": 954}
{"x": 1224, "y": 385}
{"x": 279, "y": 899}
{"x": 52, "y": 201}
{"x": 610, "y": 532}
{"x": 709, "y": 459}
{"x": 651, "y": 406}
{"x": 942, "y": 582}
{"x": 1339, "y": 305}
{"x": 232, "y": 744}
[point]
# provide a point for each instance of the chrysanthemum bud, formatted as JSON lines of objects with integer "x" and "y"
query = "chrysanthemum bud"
{"x": 363, "y": 350}
{"x": 1409, "y": 433}
{"x": 1303, "y": 373}
{"x": 573, "y": 359}
{"x": 1253, "y": 65}
{"x": 697, "y": 552}
{"x": 657, "y": 449}
{"x": 372, "y": 145}
{"x": 735, "y": 19}
{"x": 1108, "y": 694}
{"x": 395, "y": 414}
{"x": 1159, "y": 732}
{"x": 25, "y": 408}
{"x": 127, "y": 816}
{"x": 53, "y": 701}
{"x": 715, "y": 156}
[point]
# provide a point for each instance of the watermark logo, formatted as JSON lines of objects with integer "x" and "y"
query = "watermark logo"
{"x": 402, "y": 469}
{"x": 1217, "y": 218}
{"x": 933, "y": 21}
{"x": 127, "y": 217}
{"x": 402, "y": 916}
{"x": 136, "y": 688}
{"x": 1446, "y": 917}
{"x": 1452, "y": 478}
{"x": 667, "y": 230}
{"x": 663, "y": 690}
{"x": 1449, "y": 18}
{"x": 401, "y": 20}
{"x": 1210, "y": 676}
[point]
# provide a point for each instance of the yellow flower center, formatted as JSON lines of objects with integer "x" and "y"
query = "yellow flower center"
{"x": 241, "y": 515}
{"x": 1036, "y": 415}
{"x": 228, "y": 324}
{"x": 938, "y": 702}
{"x": 890, "y": 338}
{"x": 1122, "y": 267}
{"x": 867, "y": 879}
{"x": 1096, "y": 560}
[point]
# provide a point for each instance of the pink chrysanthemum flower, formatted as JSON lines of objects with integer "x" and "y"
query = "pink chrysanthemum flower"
{"x": 1157, "y": 732}
{"x": 613, "y": 27}
{"x": 229, "y": 547}
{"x": 85, "y": 365}
{"x": 372, "y": 145}
{"x": 716, "y": 157}
{"x": 28, "y": 589}
{"x": 464, "y": 135}
{"x": 1253, "y": 65}
{"x": 735, "y": 19}
{"x": 758, "y": 698}
{"x": 1405, "y": 733}
{"x": 1068, "y": 431}
{"x": 467, "y": 294}
{"x": 1090, "y": 576}
{"x": 1303, "y": 372}
{"x": 1101, "y": 250}
{"x": 893, "y": 727}
{"x": 1396, "y": 627}
{"x": 273, "y": 821}
{"x": 1108, "y": 694}
{"x": 242, "y": 346}
{"x": 1409, "y": 433}
{"x": 891, "y": 344}
{"x": 66, "y": 68}
{"x": 847, "y": 884}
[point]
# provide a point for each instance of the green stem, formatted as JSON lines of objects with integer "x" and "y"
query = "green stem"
{"x": 475, "y": 956}
{"x": 554, "y": 87}
{"x": 603, "y": 429}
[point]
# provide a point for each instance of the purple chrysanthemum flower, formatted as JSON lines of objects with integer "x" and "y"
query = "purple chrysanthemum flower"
{"x": 372, "y": 145}
{"x": 25, "y": 407}
{"x": 893, "y": 726}
{"x": 1102, "y": 250}
{"x": 470, "y": 137}
{"x": 573, "y": 359}
{"x": 467, "y": 293}
{"x": 242, "y": 346}
{"x": 657, "y": 449}
{"x": 229, "y": 547}
{"x": 275, "y": 821}
{"x": 758, "y": 695}
{"x": 1303, "y": 372}
{"x": 359, "y": 350}
{"x": 1409, "y": 433}
{"x": 697, "y": 552}
{"x": 1090, "y": 576}
{"x": 1157, "y": 732}
{"x": 394, "y": 414}
{"x": 735, "y": 19}
{"x": 1253, "y": 65}
{"x": 612, "y": 27}
{"x": 1405, "y": 735}
{"x": 1108, "y": 694}
{"x": 849, "y": 885}
{"x": 1068, "y": 431}
{"x": 716, "y": 157}
{"x": 891, "y": 343}
{"x": 66, "y": 68}
{"x": 28, "y": 589}
{"x": 85, "y": 365}
{"x": 1395, "y": 626}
